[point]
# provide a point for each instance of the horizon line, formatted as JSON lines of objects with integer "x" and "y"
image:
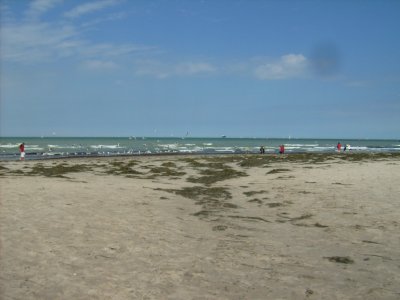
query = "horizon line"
{"x": 200, "y": 137}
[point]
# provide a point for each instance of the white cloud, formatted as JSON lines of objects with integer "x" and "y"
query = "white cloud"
{"x": 34, "y": 41}
{"x": 164, "y": 70}
{"x": 191, "y": 68}
{"x": 99, "y": 65}
{"x": 110, "y": 50}
{"x": 288, "y": 66}
{"x": 39, "y": 7}
{"x": 89, "y": 8}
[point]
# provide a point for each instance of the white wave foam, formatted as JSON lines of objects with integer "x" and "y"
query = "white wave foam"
{"x": 65, "y": 146}
{"x": 106, "y": 146}
{"x": 9, "y": 146}
{"x": 169, "y": 146}
{"x": 34, "y": 149}
{"x": 301, "y": 145}
{"x": 358, "y": 148}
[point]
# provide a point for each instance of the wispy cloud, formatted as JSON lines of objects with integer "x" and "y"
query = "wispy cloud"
{"x": 161, "y": 70}
{"x": 89, "y": 7}
{"x": 33, "y": 40}
{"x": 288, "y": 66}
{"x": 99, "y": 65}
{"x": 39, "y": 7}
{"x": 192, "y": 68}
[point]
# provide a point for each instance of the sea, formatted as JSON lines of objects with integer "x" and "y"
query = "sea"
{"x": 63, "y": 147}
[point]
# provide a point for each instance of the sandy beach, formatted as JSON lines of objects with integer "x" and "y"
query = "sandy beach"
{"x": 301, "y": 226}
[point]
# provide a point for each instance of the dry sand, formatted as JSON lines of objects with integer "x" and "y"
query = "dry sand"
{"x": 229, "y": 227}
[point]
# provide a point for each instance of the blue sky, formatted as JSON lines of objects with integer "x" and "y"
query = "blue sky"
{"x": 250, "y": 68}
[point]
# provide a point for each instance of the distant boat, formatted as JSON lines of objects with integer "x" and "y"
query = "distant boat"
{"x": 224, "y": 136}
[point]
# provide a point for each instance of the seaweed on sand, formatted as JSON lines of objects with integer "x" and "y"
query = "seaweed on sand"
{"x": 255, "y": 200}
{"x": 198, "y": 192}
{"x": 340, "y": 259}
{"x": 276, "y": 171}
{"x": 121, "y": 168}
{"x": 254, "y": 161}
{"x": 220, "y": 228}
{"x": 212, "y": 199}
{"x": 250, "y": 218}
{"x": 274, "y": 204}
{"x": 295, "y": 219}
{"x": 169, "y": 164}
{"x": 213, "y": 175}
{"x": 165, "y": 171}
{"x": 251, "y": 193}
{"x": 58, "y": 170}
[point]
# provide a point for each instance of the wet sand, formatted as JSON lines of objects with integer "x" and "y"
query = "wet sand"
{"x": 201, "y": 227}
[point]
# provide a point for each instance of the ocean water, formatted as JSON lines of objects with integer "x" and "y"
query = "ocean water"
{"x": 51, "y": 147}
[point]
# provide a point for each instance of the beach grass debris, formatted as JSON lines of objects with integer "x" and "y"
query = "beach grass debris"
{"x": 274, "y": 204}
{"x": 255, "y": 200}
{"x": 203, "y": 213}
{"x": 340, "y": 259}
{"x": 211, "y": 199}
{"x": 320, "y": 225}
{"x": 252, "y": 193}
{"x": 249, "y": 218}
{"x": 123, "y": 168}
{"x": 220, "y": 228}
{"x": 370, "y": 242}
{"x": 199, "y": 192}
{"x": 165, "y": 171}
{"x": 294, "y": 219}
{"x": 276, "y": 171}
{"x": 17, "y": 172}
{"x": 254, "y": 161}
{"x": 59, "y": 170}
{"x": 213, "y": 175}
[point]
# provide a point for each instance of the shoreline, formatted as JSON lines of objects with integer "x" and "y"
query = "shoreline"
{"x": 370, "y": 154}
{"x": 293, "y": 226}
{"x": 88, "y": 147}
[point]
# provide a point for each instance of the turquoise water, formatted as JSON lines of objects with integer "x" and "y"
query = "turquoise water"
{"x": 48, "y": 147}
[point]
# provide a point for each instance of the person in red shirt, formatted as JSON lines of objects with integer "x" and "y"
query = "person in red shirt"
{"x": 339, "y": 146}
{"x": 22, "y": 151}
{"x": 282, "y": 149}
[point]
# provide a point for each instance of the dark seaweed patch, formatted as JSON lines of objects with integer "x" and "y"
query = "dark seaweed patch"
{"x": 276, "y": 171}
{"x": 250, "y": 218}
{"x": 165, "y": 171}
{"x": 213, "y": 175}
{"x": 256, "y": 200}
{"x": 220, "y": 228}
{"x": 121, "y": 168}
{"x": 252, "y": 193}
{"x": 340, "y": 259}
{"x": 274, "y": 204}
{"x": 58, "y": 170}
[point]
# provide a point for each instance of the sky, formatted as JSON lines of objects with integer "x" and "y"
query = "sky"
{"x": 240, "y": 68}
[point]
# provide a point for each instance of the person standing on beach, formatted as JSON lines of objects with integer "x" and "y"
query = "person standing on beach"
{"x": 262, "y": 150}
{"x": 339, "y": 146}
{"x": 281, "y": 149}
{"x": 22, "y": 151}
